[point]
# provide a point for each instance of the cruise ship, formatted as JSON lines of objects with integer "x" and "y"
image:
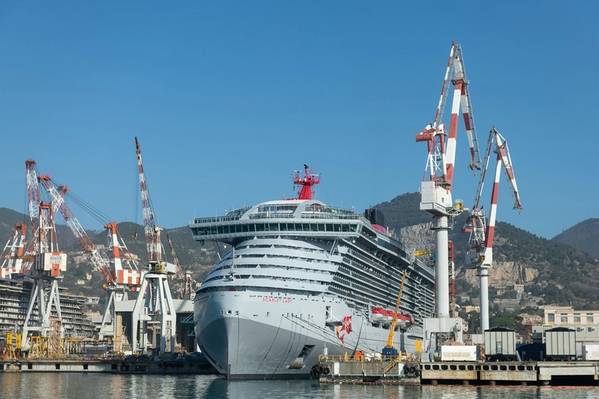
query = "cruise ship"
{"x": 304, "y": 278}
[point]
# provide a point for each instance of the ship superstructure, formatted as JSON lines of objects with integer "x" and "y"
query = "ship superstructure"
{"x": 303, "y": 278}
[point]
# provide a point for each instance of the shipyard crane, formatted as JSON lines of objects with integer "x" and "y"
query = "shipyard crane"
{"x": 481, "y": 231}
{"x": 121, "y": 272}
{"x": 48, "y": 266}
{"x": 13, "y": 252}
{"x": 436, "y": 189}
{"x": 154, "y": 303}
{"x": 33, "y": 205}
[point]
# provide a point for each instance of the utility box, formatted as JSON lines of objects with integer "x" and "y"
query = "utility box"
{"x": 590, "y": 351}
{"x": 459, "y": 353}
{"x": 434, "y": 198}
{"x": 500, "y": 344}
{"x": 560, "y": 344}
{"x": 51, "y": 262}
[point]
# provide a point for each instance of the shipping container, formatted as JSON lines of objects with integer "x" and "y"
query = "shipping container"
{"x": 459, "y": 353}
{"x": 500, "y": 344}
{"x": 560, "y": 344}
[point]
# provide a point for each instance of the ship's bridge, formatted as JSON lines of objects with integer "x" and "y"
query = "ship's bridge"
{"x": 283, "y": 217}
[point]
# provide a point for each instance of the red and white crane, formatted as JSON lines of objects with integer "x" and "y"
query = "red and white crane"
{"x": 120, "y": 270}
{"x": 482, "y": 232}
{"x": 436, "y": 189}
{"x": 48, "y": 266}
{"x": 154, "y": 303}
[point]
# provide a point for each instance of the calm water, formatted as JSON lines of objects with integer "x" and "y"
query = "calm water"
{"x": 158, "y": 387}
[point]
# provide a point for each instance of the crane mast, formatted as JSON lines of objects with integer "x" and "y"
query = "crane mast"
{"x": 154, "y": 304}
{"x": 482, "y": 232}
{"x": 48, "y": 267}
{"x": 436, "y": 189}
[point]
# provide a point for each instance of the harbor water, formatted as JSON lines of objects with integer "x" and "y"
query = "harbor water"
{"x": 100, "y": 386}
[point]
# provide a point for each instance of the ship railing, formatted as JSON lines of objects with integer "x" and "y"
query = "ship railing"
{"x": 216, "y": 219}
{"x": 325, "y": 215}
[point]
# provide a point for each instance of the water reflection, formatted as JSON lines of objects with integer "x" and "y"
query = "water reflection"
{"x": 104, "y": 386}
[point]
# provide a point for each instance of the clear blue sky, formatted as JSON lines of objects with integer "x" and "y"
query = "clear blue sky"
{"x": 229, "y": 97}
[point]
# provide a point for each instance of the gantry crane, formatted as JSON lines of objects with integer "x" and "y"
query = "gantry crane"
{"x": 436, "y": 189}
{"x": 48, "y": 266}
{"x": 154, "y": 304}
{"x": 482, "y": 232}
{"x": 120, "y": 270}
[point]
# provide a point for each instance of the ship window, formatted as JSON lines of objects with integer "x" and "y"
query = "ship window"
{"x": 283, "y": 226}
{"x": 259, "y": 227}
{"x": 245, "y": 228}
{"x": 321, "y": 227}
{"x": 273, "y": 227}
{"x": 306, "y": 227}
{"x": 329, "y": 227}
{"x": 344, "y": 227}
{"x": 298, "y": 227}
{"x": 290, "y": 226}
{"x": 252, "y": 227}
{"x": 313, "y": 227}
{"x": 220, "y": 229}
{"x": 337, "y": 227}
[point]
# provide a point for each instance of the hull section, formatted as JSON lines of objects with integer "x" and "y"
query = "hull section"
{"x": 247, "y": 334}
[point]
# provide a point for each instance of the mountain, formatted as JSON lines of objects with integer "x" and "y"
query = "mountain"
{"x": 528, "y": 270}
{"x": 584, "y": 236}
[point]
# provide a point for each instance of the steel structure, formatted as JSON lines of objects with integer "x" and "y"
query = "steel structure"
{"x": 188, "y": 284}
{"x": 436, "y": 189}
{"x": 124, "y": 277}
{"x": 482, "y": 232}
{"x": 13, "y": 252}
{"x": 121, "y": 272}
{"x": 154, "y": 304}
{"x": 48, "y": 267}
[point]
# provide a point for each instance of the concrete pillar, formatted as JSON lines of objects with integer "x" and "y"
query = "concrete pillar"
{"x": 442, "y": 270}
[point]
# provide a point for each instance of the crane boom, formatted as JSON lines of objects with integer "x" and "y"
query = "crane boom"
{"x": 57, "y": 194}
{"x": 394, "y": 317}
{"x": 482, "y": 232}
{"x": 151, "y": 229}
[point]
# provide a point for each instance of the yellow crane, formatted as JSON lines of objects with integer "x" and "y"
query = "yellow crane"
{"x": 389, "y": 350}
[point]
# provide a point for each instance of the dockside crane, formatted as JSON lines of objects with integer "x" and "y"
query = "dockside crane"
{"x": 154, "y": 304}
{"x": 119, "y": 269}
{"x": 48, "y": 266}
{"x": 436, "y": 189}
{"x": 482, "y": 232}
{"x": 188, "y": 284}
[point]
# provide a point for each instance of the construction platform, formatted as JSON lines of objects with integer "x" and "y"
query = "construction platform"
{"x": 511, "y": 373}
{"x": 189, "y": 364}
{"x": 344, "y": 370}
{"x": 348, "y": 370}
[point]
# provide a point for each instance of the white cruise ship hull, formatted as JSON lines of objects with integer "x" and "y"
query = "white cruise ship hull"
{"x": 246, "y": 334}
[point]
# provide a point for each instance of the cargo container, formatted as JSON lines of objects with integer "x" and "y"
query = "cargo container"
{"x": 560, "y": 344}
{"x": 590, "y": 351}
{"x": 500, "y": 344}
{"x": 459, "y": 353}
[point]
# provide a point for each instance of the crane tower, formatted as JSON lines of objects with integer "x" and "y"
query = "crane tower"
{"x": 154, "y": 305}
{"x": 482, "y": 232}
